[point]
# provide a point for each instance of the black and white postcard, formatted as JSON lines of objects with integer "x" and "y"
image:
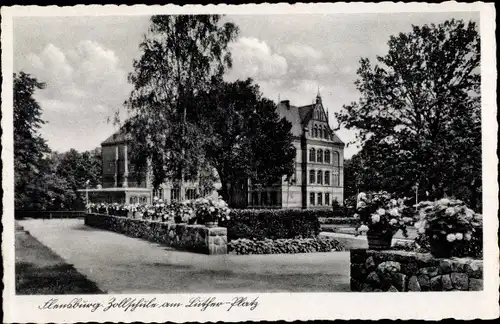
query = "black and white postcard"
{"x": 249, "y": 162}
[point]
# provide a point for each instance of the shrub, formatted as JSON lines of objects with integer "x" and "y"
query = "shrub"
{"x": 452, "y": 221}
{"x": 381, "y": 213}
{"x": 338, "y": 220}
{"x": 272, "y": 224}
{"x": 268, "y": 246}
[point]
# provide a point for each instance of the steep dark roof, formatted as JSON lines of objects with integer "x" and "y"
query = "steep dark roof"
{"x": 119, "y": 137}
{"x": 305, "y": 113}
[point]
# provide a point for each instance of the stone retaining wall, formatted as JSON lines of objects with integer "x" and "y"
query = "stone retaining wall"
{"x": 195, "y": 238}
{"x": 410, "y": 271}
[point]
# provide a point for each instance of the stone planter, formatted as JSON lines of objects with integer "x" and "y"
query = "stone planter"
{"x": 211, "y": 224}
{"x": 440, "y": 247}
{"x": 379, "y": 240}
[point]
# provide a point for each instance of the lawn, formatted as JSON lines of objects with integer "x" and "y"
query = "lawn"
{"x": 39, "y": 271}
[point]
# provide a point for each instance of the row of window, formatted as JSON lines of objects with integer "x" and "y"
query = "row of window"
{"x": 321, "y": 156}
{"x": 316, "y": 199}
{"x": 322, "y": 132}
{"x": 320, "y": 177}
{"x": 264, "y": 198}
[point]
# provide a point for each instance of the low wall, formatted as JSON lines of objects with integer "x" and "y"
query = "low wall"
{"x": 410, "y": 271}
{"x": 195, "y": 238}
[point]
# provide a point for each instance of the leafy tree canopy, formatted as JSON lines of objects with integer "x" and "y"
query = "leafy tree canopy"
{"x": 245, "y": 136}
{"x": 181, "y": 55}
{"x": 418, "y": 116}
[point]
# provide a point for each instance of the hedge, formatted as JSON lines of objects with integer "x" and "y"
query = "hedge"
{"x": 338, "y": 220}
{"x": 267, "y": 246}
{"x": 272, "y": 223}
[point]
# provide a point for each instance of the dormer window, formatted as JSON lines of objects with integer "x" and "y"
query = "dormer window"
{"x": 315, "y": 132}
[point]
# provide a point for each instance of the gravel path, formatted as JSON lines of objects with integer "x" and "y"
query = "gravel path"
{"x": 121, "y": 264}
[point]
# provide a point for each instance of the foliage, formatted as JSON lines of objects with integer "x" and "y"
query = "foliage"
{"x": 272, "y": 223}
{"x": 245, "y": 136}
{"x": 300, "y": 245}
{"x": 379, "y": 212}
{"x": 210, "y": 210}
{"x": 418, "y": 117}
{"x": 451, "y": 221}
{"x": 35, "y": 185}
{"x": 181, "y": 56}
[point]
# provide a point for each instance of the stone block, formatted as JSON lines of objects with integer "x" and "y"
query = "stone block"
{"x": 399, "y": 281}
{"x": 410, "y": 268}
{"x": 373, "y": 279}
{"x": 388, "y": 268}
{"x": 457, "y": 266}
{"x": 474, "y": 269}
{"x": 435, "y": 283}
{"x": 424, "y": 282}
{"x": 413, "y": 284}
{"x": 460, "y": 280}
{"x": 444, "y": 266}
{"x": 475, "y": 284}
{"x": 392, "y": 289}
{"x": 370, "y": 264}
{"x": 446, "y": 282}
{"x": 429, "y": 271}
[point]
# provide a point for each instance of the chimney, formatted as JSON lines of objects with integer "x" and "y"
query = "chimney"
{"x": 286, "y": 103}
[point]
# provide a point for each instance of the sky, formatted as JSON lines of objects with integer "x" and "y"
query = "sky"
{"x": 84, "y": 62}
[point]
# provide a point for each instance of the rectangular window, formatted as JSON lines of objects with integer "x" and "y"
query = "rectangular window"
{"x": 255, "y": 199}
{"x": 327, "y": 198}
{"x": 327, "y": 177}
{"x": 274, "y": 198}
{"x": 311, "y": 199}
{"x": 312, "y": 176}
{"x": 175, "y": 194}
{"x": 263, "y": 198}
{"x": 320, "y": 177}
{"x": 320, "y": 198}
{"x": 335, "y": 174}
{"x": 190, "y": 194}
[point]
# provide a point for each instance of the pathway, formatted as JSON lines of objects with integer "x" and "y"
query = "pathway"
{"x": 121, "y": 264}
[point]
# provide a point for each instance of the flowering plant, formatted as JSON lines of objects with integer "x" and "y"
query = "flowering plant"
{"x": 182, "y": 211}
{"x": 380, "y": 212}
{"x": 447, "y": 220}
{"x": 211, "y": 210}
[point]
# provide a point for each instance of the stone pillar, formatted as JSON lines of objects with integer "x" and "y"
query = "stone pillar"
{"x": 116, "y": 167}
{"x": 125, "y": 168}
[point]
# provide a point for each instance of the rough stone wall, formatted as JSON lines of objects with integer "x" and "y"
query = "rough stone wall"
{"x": 401, "y": 271}
{"x": 195, "y": 238}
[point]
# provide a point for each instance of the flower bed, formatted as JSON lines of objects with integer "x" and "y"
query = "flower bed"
{"x": 402, "y": 271}
{"x": 268, "y": 246}
{"x": 195, "y": 238}
{"x": 272, "y": 224}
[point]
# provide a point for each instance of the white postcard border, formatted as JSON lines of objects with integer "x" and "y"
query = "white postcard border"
{"x": 272, "y": 306}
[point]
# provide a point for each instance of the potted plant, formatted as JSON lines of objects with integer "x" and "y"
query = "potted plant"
{"x": 209, "y": 211}
{"x": 381, "y": 216}
{"x": 445, "y": 225}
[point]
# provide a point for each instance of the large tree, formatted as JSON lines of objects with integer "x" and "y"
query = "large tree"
{"x": 181, "y": 55}
{"x": 418, "y": 117}
{"x": 245, "y": 136}
{"x": 30, "y": 148}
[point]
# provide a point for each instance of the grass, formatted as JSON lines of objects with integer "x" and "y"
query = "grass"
{"x": 39, "y": 271}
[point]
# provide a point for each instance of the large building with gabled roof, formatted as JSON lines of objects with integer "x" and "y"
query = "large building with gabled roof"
{"x": 319, "y": 176}
{"x": 317, "y": 182}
